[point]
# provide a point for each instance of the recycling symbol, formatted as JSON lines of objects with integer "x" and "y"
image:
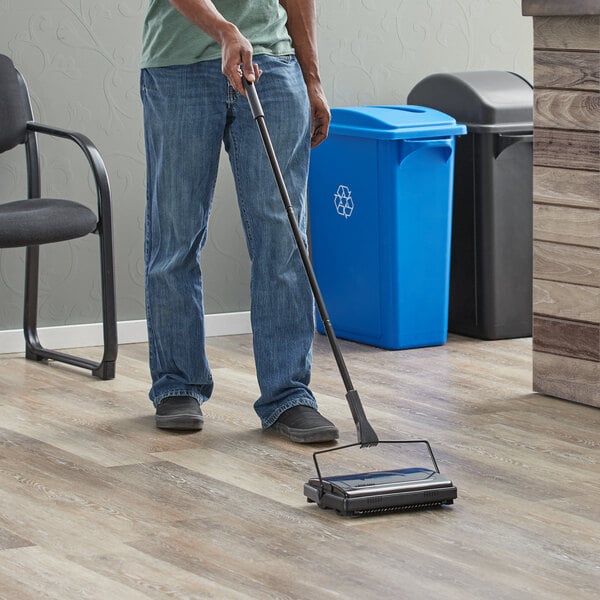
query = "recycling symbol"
{"x": 344, "y": 205}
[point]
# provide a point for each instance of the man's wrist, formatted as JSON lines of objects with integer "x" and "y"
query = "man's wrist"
{"x": 226, "y": 32}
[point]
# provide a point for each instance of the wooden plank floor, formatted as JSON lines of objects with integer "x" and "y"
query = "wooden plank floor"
{"x": 97, "y": 503}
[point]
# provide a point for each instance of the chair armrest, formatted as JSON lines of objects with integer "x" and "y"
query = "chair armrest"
{"x": 93, "y": 157}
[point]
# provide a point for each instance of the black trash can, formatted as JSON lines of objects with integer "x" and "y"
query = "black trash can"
{"x": 491, "y": 261}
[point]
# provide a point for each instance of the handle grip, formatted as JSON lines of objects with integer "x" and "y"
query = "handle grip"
{"x": 253, "y": 100}
{"x": 407, "y": 147}
{"x": 506, "y": 140}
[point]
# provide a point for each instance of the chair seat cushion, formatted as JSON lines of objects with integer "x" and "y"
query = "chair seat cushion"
{"x": 42, "y": 221}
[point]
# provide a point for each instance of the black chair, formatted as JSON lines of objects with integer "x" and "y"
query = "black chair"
{"x": 36, "y": 220}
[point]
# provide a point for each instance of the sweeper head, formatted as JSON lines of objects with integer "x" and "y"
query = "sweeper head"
{"x": 374, "y": 492}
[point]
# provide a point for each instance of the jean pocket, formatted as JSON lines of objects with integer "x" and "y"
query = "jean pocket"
{"x": 283, "y": 59}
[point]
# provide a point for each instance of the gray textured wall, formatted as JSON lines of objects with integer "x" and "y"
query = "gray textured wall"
{"x": 80, "y": 59}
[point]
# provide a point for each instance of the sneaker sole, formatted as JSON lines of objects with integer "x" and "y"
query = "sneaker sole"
{"x": 181, "y": 422}
{"x": 307, "y": 436}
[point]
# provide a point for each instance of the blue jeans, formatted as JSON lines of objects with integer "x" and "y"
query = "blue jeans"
{"x": 189, "y": 111}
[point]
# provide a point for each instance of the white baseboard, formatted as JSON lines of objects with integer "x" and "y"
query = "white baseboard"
{"x": 129, "y": 332}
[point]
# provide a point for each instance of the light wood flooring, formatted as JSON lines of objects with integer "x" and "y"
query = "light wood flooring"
{"x": 97, "y": 503}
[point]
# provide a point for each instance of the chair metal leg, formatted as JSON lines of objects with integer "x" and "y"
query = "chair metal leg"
{"x": 109, "y": 309}
{"x": 105, "y": 369}
{"x": 32, "y": 342}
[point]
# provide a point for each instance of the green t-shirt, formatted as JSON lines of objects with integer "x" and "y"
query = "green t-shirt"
{"x": 171, "y": 39}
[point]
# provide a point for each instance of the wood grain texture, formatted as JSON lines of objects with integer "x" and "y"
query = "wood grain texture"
{"x": 566, "y": 301}
{"x": 10, "y": 540}
{"x": 568, "y": 264}
{"x": 560, "y": 7}
{"x": 566, "y": 109}
{"x": 566, "y": 225}
{"x": 572, "y": 70}
{"x": 566, "y": 338}
{"x": 566, "y": 187}
{"x": 220, "y": 514}
{"x": 567, "y": 377}
{"x": 566, "y": 33}
{"x": 566, "y": 198}
{"x": 566, "y": 149}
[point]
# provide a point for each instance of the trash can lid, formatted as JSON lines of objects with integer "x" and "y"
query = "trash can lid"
{"x": 483, "y": 100}
{"x": 392, "y": 122}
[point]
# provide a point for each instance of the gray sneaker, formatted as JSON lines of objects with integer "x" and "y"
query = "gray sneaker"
{"x": 179, "y": 412}
{"x": 305, "y": 425}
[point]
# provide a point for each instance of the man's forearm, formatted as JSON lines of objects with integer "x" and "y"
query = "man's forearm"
{"x": 302, "y": 27}
{"x": 236, "y": 50}
{"x": 204, "y": 15}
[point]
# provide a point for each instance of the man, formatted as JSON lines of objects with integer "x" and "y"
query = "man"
{"x": 194, "y": 54}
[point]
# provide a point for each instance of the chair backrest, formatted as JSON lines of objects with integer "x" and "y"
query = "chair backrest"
{"x": 14, "y": 106}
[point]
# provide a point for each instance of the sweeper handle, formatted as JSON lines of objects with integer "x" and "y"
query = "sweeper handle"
{"x": 366, "y": 434}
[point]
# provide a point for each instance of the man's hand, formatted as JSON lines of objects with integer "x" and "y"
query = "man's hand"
{"x": 236, "y": 59}
{"x": 320, "y": 115}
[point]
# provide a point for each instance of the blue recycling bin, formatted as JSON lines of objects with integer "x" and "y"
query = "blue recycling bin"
{"x": 380, "y": 195}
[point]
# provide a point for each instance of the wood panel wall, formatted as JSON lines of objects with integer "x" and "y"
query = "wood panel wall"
{"x": 566, "y": 207}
